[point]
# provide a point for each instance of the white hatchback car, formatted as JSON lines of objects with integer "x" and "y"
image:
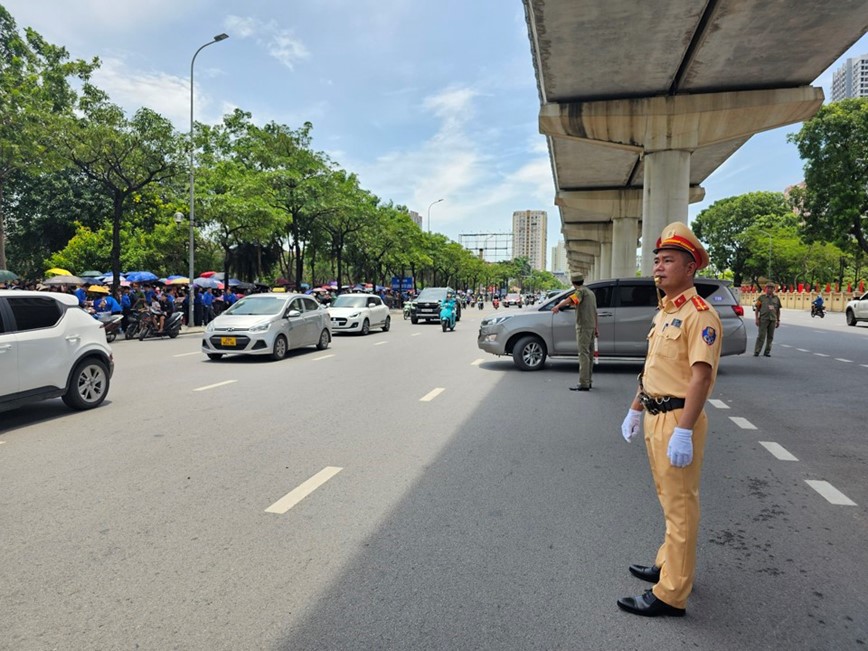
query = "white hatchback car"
{"x": 359, "y": 313}
{"x": 857, "y": 310}
{"x": 268, "y": 324}
{"x": 49, "y": 348}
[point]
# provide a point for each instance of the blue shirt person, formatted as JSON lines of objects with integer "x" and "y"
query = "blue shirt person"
{"x": 107, "y": 304}
{"x": 81, "y": 295}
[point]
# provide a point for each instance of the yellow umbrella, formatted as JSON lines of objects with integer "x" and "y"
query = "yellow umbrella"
{"x": 56, "y": 271}
{"x": 179, "y": 281}
{"x": 98, "y": 289}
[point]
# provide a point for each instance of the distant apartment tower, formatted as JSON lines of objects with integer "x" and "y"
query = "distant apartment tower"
{"x": 529, "y": 231}
{"x": 559, "y": 258}
{"x": 851, "y": 79}
{"x": 416, "y": 217}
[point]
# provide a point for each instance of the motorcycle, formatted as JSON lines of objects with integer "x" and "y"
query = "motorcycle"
{"x": 133, "y": 320}
{"x": 479, "y": 304}
{"x": 495, "y": 303}
{"x": 148, "y": 326}
{"x": 447, "y": 317}
{"x": 111, "y": 323}
{"x": 408, "y": 308}
{"x": 817, "y": 310}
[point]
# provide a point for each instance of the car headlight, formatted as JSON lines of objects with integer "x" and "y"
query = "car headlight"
{"x": 260, "y": 327}
{"x": 496, "y": 320}
{"x": 209, "y": 327}
{"x": 354, "y": 315}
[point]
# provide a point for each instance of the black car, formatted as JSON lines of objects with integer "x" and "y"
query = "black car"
{"x": 426, "y": 307}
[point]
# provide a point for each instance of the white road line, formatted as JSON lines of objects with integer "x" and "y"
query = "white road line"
{"x": 296, "y": 495}
{"x": 2, "y": 442}
{"x": 778, "y": 451}
{"x": 832, "y": 494}
{"x": 802, "y": 350}
{"x": 214, "y": 386}
{"x": 477, "y": 362}
{"x": 316, "y": 359}
{"x": 744, "y": 423}
{"x": 198, "y": 352}
{"x": 380, "y": 343}
{"x": 841, "y": 359}
{"x": 720, "y": 404}
{"x": 820, "y": 355}
{"x": 865, "y": 365}
{"x": 785, "y": 346}
{"x": 416, "y": 334}
{"x": 428, "y": 397}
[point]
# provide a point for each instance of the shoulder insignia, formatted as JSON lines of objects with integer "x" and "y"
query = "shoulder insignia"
{"x": 699, "y": 304}
{"x": 678, "y": 302}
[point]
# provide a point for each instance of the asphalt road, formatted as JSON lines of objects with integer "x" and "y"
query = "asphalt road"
{"x": 499, "y": 512}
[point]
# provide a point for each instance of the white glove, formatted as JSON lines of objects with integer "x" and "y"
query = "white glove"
{"x": 632, "y": 423}
{"x": 680, "y": 450}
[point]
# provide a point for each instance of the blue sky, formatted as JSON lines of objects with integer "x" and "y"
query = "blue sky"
{"x": 423, "y": 100}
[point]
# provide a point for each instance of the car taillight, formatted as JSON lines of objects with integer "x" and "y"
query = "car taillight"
{"x": 738, "y": 309}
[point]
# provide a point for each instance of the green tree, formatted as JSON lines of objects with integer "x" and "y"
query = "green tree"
{"x": 123, "y": 156}
{"x": 834, "y": 146}
{"x": 35, "y": 86}
{"x": 722, "y": 225}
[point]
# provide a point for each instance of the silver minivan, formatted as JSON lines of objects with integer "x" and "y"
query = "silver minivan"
{"x": 625, "y": 309}
{"x": 268, "y": 324}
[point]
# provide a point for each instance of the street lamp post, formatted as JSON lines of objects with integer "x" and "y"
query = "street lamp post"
{"x": 429, "y": 213}
{"x": 216, "y": 39}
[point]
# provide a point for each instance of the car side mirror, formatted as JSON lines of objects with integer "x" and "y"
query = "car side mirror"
{"x": 291, "y": 314}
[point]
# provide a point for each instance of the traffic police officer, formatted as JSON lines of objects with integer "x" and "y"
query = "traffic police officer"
{"x": 586, "y": 327}
{"x": 680, "y": 370}
{"x": 768, "y": 317}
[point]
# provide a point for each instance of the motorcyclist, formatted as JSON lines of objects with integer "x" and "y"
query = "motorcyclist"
{"x": 818, "y": 303}
{"x": 157, "y": 313}
{"x": 449, "y": 304}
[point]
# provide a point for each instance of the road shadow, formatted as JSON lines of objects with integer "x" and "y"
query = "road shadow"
{"x": 40, "y": 412}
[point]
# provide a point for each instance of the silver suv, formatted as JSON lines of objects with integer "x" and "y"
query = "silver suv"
{"x": 625, "y": 308}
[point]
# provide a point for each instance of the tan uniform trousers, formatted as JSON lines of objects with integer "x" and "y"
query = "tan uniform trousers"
{"x": 585, "y": 342}
{"x": 678, "y": 492}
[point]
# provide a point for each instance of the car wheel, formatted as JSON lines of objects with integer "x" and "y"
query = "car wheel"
{"x": 851, "y": 319}
{"x": 88, "y": 384}
{"x": 387, "y": 324}
{"x": 324, "y": 340}
{"x": 366, "y": 328}
{"x": 279, "y": 351}
{"x": 215, "y": 356}
{"x": 529, "y": 354}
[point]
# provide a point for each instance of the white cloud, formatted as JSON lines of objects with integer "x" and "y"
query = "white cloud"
{"x": 278, "y": 42}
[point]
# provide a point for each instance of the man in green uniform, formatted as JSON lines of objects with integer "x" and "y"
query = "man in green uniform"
{"x": 586, "y": 328}
{"x": 768, "y": 318}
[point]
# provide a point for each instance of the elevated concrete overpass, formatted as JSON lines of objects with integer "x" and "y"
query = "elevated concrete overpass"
{"x": 642, "y": 101}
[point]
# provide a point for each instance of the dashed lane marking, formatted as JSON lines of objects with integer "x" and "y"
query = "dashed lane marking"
{"x": 214, "y": 386}
{"x": 778, "y": 451}
{"x": 865, "y": 365}
{"x": 316, "y": 359}
{"x": 296, "y": 495}
{"x": 198, "y": 352}
{"x": 820, "y": 354}
{"x": 477, "y": 362}
{"x": 785, "y": 346}
{"x": 428, "y": 397}
{"x": 720, "y": 404}
{"x": 744, "y": 423}
{"x": 841, "y": 359}
{"x": 380, "y": 343}
{"x": 832, "y": 494}
{"x": 802, "y": 350}
{"x": 416, "y": 334}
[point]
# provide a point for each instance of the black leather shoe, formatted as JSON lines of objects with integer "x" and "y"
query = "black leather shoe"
{"x": 648, "y": 605}
{"x": 646, "y": 573}
{"x": 579, "y": 387}
{"x": 767, "y": 354}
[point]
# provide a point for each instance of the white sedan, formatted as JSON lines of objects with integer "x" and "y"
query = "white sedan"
{"x": 857, "y": 310}
{"x": 359, "y": 313}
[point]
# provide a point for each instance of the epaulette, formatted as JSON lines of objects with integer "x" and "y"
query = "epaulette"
{"x": 699, "y": 304}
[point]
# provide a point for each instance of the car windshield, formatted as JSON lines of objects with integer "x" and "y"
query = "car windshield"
{"x": 257, "y": 306}
{"x": 350, "y": 301}
{"x": 431, "y": 294}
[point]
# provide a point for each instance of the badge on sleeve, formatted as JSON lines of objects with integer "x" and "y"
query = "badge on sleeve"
{"x": 709, "y": 335}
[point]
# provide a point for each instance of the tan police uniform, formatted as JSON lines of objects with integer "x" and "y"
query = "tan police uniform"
{"x": 686, "y": 331}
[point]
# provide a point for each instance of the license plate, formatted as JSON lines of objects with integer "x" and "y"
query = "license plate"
{"x": 227, "y": 341}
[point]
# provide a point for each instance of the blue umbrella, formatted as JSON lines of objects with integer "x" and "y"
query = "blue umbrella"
{"x": 173, "y": 276}
{"x": 141, "y": 277}
{"x": 205, "y": 283}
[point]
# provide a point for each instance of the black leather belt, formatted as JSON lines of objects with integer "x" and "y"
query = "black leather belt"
{"x": 660, "y": 405}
